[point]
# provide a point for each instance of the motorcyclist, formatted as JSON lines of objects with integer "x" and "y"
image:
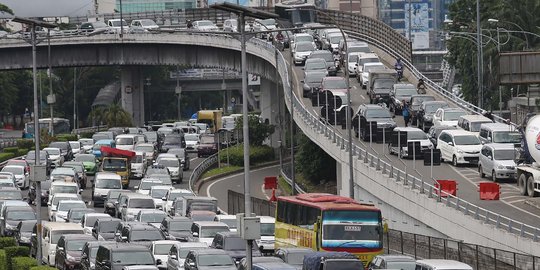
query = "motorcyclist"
{"x": 280, "y": 37}
{"x": 189, "y": 24}
{"x": 399, "y": 68}
{"x": 421, "y": 87}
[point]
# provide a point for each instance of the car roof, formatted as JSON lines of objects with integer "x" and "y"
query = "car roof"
{"x": 407, "y": 129}
{"x": 445, "y": 264}
{"x": 210, "y": 223}
{"x": 178, "y": 218}
{"x": 267, "y": 219}
{"x": 107, "y": 175}
{"x": 450, "y": 109}
{"x": 62, "y": 226}
{"x": 473, "y": 117}
{"x": 333, "y": 78}
{"x": 124, "y": 246}
{"x": 500, "y": 146}
{"x": 498, "y": 127}
{"x": 77, "y": 237}
{"x": 142, "y": 227}
{"x": 396, "y": 257}
{"x": 191, "y": 244}
{"x": 164, "y": 242}
{"x": 456, "y": 132}
{"x": 209, "y": 251}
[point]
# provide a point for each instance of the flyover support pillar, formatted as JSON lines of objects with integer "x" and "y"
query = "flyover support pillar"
{"x": 132, "y": 87}
{"x": 269, "y": 105}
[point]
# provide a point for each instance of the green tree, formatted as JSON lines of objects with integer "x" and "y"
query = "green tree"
{"x": 313, "y": 162}
{"x": 5, "y": 9}
{"x": 9, "y": 93}
{"x": 115, "y": 116}
{"x": 259, "y": 130}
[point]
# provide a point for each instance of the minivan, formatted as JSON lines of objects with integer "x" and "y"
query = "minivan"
{"x": 500, "y": 133}
{"x": 497, "y": 161}
{"x": 125, "y": 141}
{"x": 459, "y": 146}
{"x": 114, "y": 256}
{"x": 472, "y": 122}
{"x": 132, "y": 203}
{"x": 436, "y": 264}
{"x": 103, "y": 183}
{"x": 51, "y": 233}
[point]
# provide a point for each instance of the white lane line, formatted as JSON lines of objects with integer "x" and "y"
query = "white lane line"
{"x": 505, "y": 202}
{"x": 518, "y": 201}
{"x": 264, "y": 192}
{"x": 362, "y": 96}
{"x": 232, "y": 176}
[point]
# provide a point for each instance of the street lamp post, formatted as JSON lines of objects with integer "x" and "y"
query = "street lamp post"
{"x": 34, "y": 24}
{"x": 479, "y": 56}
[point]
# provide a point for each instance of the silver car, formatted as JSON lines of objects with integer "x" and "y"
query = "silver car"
{"x": 497, "y": 161}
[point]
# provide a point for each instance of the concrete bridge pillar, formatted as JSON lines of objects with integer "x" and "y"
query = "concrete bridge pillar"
{"x": 269, "y": 105}
{"x": 132, "y": 87}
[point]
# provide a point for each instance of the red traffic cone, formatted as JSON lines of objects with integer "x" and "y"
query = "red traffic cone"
{"x": 273, "y": 198}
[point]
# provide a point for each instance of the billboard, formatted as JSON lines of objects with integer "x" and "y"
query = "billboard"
{"x": 419, "y": 28}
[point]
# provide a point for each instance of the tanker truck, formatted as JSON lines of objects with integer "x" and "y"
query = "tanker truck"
{"x": 528, "y": 172}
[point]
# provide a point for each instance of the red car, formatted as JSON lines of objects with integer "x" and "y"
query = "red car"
{"x": 207, "y": 146}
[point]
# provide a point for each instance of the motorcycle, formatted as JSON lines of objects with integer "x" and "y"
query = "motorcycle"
{"x": 399, "y": 70}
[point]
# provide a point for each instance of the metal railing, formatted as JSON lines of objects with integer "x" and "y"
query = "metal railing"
{"x": 236, "y": 204}
{"x": 89, "y": 129}
{"x": 200, "y": 170}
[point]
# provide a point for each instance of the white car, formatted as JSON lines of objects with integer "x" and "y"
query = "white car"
{"x": 115, "y": 27}
{"x": 153, "y": 217}
{"x": 52, "y": 231}
{"x": 56, "y": 198}
{"x": 64, "y": 187}
{"x": 230, "y": 220}
{"x": 158, "y": 193}
{"x": 145, "y": 24}
{"x": 302, "y": 37}
{"x": 301, "y": 52}
{"x": 413, "y": 135}
{"x": 174, "y": 167}
{"x": 459, "y": 146}
{"x": 205, "y": 25}
{"x": 146, "y": 184}
{"x": 148, "y": 149}
{"x": 268, "y": 235}
{"x": 138, "y": 165}
{"x": 172, "y": 195}
{"x": 89, "y": 219}
{"x": 204, "y": 231}
{"x": 179, "y": 251}
{"x": 497, "y": 161}
{"x": 103, "y": 183}
{"x": 76, "y": 147}
{"x": 160, "y": 249}
{"x": 364, "y": 80}
{"x": 192, "y": 141}
{"x": 63, "y": 208}
{"x": 20, "y": 173}
{"x": 55, "y": 154}
{"x": 86, "y": 144}
{"x": 447, "y": 116}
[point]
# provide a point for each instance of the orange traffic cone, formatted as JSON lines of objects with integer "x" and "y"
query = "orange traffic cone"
{"x": 273, "y": 198}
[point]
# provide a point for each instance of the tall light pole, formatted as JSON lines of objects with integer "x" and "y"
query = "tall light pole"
{"x": 51, "y": 99}
{"x": 479, "y": 56}
{"x": 74, "y": 97}
{"x": 491, "y": 20}
{"x": 34, "y": 24}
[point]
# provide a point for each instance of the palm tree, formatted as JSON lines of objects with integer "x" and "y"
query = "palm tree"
{"x": 116, "y": 116}
{"x": 5, "y": 9}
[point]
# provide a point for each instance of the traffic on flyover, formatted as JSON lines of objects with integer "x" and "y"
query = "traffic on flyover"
{"x": 128, "y": 184}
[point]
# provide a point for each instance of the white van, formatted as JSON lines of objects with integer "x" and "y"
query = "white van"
{"x": 204, "y": 231}
{"x": 435, "y": 264}
{"x": 138, "y": 165}
{"x": 500, "y": 133}
{"x": 268, "y": 236}
{"x": 51, "y": 233}
{"x": 413, "y": 135}
{"x": 459, "y": 146}
{"x": 229, "y": 122}
{"x": 125, "y": 141}
{"x": 472, "y": 122}
{"x": 103, "y": 183}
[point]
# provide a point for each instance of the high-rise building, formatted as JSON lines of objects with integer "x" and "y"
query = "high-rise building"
{"x": 129, "y": 6}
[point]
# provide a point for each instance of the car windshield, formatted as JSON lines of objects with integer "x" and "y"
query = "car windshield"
{"x": 77, "y": 215}
{"x": 78, "y": 168}
{"x": 304, "y": 47}
{"x": 59, "y": 145}
{"x": 151, "y": 136}
{"x": 234, "y": 243}
{"x": 174, "y": 195}
{"x": 334, "y": 84}
{"x": 169, "y": 162}
{"x": 133, "y": 258}
{"x": 405, "y": 92}
{"x": 146, "y": 235}
{"x": 416, "y": 135}
{"x": 27, "y": 226}
{"x": 144, "y": 148}
{"x": 401, "y": 265}
{"x": 158, "y": 193}
{"x": 205, "y": 23}
{"x": 172, "y": 140}
{"x": 301, "y": 38}
{"x": 113, "y": 194}
{"x": 108, "y": 183}
{"x": 180, "y": 225}
{"x": 75, "y": 145}
{"x": 107, "y": 226}
{"x": 65, "y": 206}
{"x": 314, "y": 77}
{"x": 64, "y": 189}
{"x": 141, "y": 203}
{"x": 369, "y": 68}
{"x": 506, "y": 137}
{"x": 353, "y": 58}
{"x": 210, "y": 232}
{"x": 20, "y": 215}
{"x": 151, "y": 171}
{"x": 215, "y": 260}
{"x": 162, "y": 249}
{"x": 148, "y": 22}
{"x": 63, "y": 171}
{"x": 336, "y": 39}
{"x": 117, "y": 23}
{"x": 475, "y": 126}
{"x": 315, "y": 65}
{"x": 185, "y": 250}
{"x": 86, "y": 142}
{"x": 466, "y": 140}
{"x": 32, "y": 155}
{"x": 504, "y": 154}
{"x": 349, "y": 225}
{"x": 114, "y": 165}
{"x": 55, "y": 235}
{"x": 268, "y": 229}
{"x": 191, "y": 137}
{"x": 57, "y": 199}
{"x": 152, "y": 217}
{"x": 383, "y": 85}
{"x": 326, "y": 56}
{"x": 453, "y": 116}
{"x": 432, "y": 108}
{"x": 378, "y": 113}
{"x": 16, "y": 170}
{"x": 10, "y": 195}
{"x": 76, "y": 245}
{"x": 147, "y": 185}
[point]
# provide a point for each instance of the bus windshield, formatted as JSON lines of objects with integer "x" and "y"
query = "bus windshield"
{"x": 347, "y": 228}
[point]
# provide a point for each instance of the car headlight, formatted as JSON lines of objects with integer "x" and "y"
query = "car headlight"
{"x": 501, "y": 167}
{"x": 53, "y": 252}
{"x": 25, "y": 239}
{"x": 10, "y": 227}
{"x": 70, "y": 258}
{"x": 460, "y": 151}
{"x": 110, "y": 205}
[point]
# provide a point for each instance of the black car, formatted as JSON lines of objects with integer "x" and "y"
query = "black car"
{"x": 139, "y": 233}
{"x": 427, "y": 110}
{"x": 173, "y": 141}
{"x": 32, "y": 196}
{"x": 65, "y": 149}
{"x": 435, "y": 131}
{"x": 12, "y": 215}
{"x": 24, "y": 232}
{"x": 234, "y": 245}
{"x": 115, "y": 256}
{"x": 401, "y": 92}
{"x": 415, "y": 104}
{"x": 105, "y": 228}
{"x": 312, "y": 83}
{"x": 112, "y": 199}
{"x": 177, "y": 228}
{"x": 207, "y": 146}
{"x": 68, "y": 250}
{"x": 328, "y": 57}
{"x": 88, "y": 254}
{"x": 367, "y": 113}
{"x": 201, "y": 258}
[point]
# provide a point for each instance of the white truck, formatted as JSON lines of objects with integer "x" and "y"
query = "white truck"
{"x": 528, "y": 173}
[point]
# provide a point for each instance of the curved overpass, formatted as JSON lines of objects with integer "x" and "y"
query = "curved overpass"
{"x": 404, "y": 194}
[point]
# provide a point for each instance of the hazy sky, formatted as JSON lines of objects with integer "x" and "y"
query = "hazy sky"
{"x": 49, "y": 8}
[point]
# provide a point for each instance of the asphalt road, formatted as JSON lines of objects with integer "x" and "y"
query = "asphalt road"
{"x": 218, "y": 188}
{"x": 511, "y": 203}
{"x": 87, "y": 193}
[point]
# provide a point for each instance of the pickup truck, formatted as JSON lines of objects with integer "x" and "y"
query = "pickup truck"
{"x": 381, "y": 83}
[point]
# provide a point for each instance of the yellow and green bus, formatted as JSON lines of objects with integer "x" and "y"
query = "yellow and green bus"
{"x": 327, "y": 222}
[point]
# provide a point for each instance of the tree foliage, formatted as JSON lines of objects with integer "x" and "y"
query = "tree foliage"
{"x": 259, "y": 130}
{"x": 5, "y": 9}
{"x": 112, "y": 116}
{"x": 313, "y": 162}
{"x": 462, "y": 50}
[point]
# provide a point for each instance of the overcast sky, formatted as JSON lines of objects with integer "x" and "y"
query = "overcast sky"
{"x": 49, "y": 8}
